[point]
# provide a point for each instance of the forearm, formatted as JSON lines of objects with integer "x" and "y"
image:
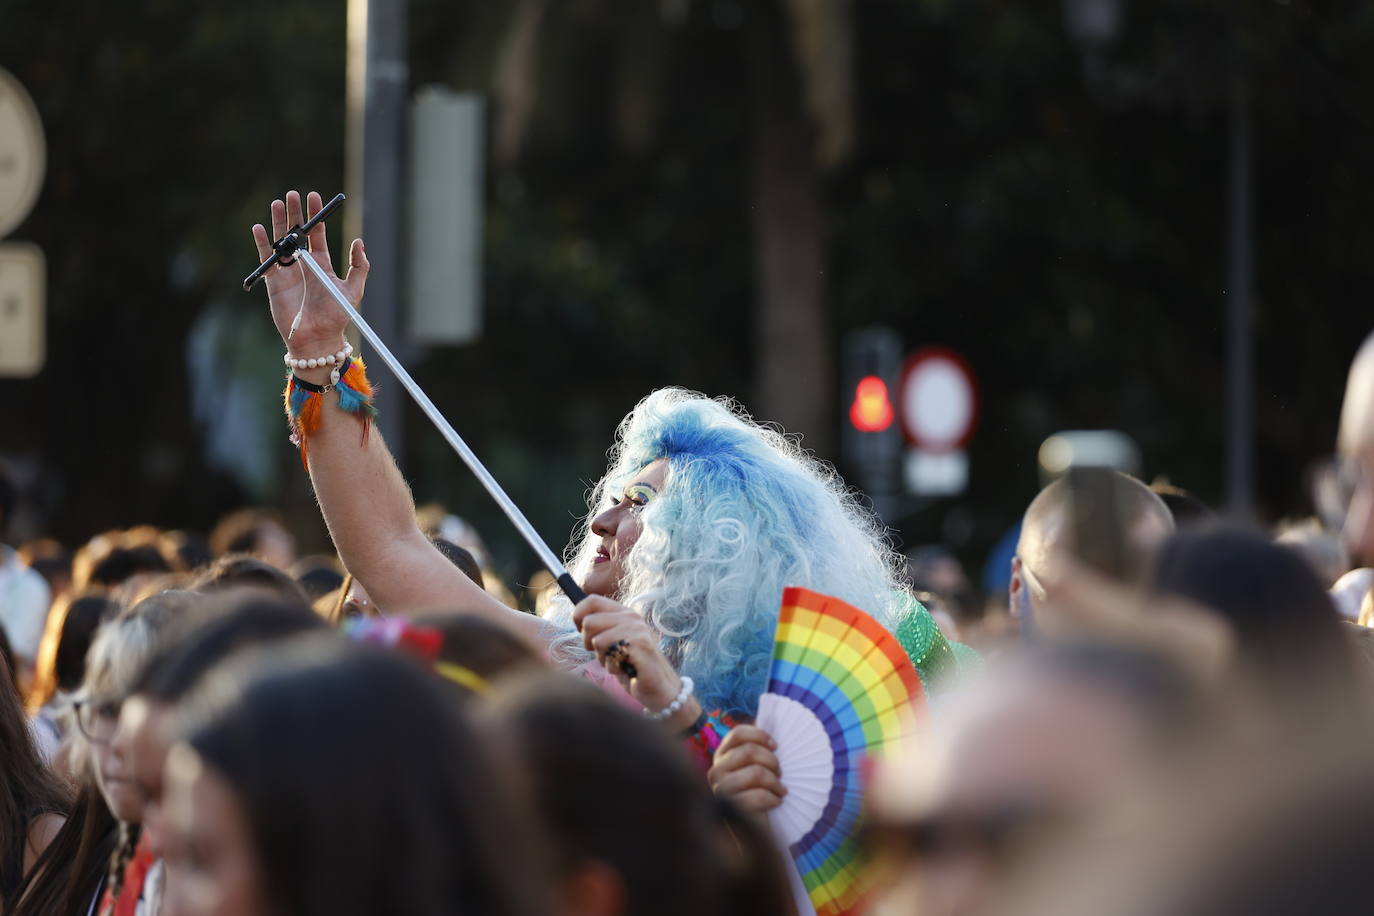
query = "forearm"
{"x": 365, "y": 501}
{"x": 371, "y": 517}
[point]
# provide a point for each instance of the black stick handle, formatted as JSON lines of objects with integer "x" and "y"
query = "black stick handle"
{"x": 576, "y": 596}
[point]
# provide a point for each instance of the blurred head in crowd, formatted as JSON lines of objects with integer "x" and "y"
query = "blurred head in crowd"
{"x": 120, "y": 650}
{"x": 52, "y": 561}
{"x": 237, "y": 570}
{"x": 317, "y": 575}
{"x": 108, "y": 803}
{"x": 260, "y": 533}
{"x": 376, "y": 795}
{"x": 461, "y": 558}
{"x": 144, "y": 733}
{"x": 702, "y": 518}
{"x": 482, "y": 646}
{"x": 115, "y": 558}
{"x": 1047, "y": 537}
{"x": 1035, "y": 747}
{"x": 185, "y": 551}
{"x": 1286, "y": 630}
{"x": 932, "y": 568}
{"x": 1231, "y": 828}
{"x": 1356, "y": 446}
{"x": 1321, "y": 549}
{"x": 634, "y": 827}
{"x": 1186, "y": 508}
{"x": 355, "y": 602}
{"x": 61, "y": 662}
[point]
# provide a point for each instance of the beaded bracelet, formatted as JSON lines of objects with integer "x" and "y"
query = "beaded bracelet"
{"x": 688, "y": 685}
{"x": 319, "y": 362}
{"x": 305, "y": 400}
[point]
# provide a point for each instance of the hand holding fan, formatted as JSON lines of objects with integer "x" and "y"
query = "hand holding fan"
{"x": 841, "y": 688}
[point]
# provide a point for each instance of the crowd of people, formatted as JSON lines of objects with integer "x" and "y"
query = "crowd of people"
{"x": 194, "y": 726}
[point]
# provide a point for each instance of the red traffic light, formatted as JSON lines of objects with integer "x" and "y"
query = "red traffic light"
{"x": 871, "y": 411}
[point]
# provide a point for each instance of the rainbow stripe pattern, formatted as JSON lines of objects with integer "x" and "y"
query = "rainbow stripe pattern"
{"x": 841, "y": 689}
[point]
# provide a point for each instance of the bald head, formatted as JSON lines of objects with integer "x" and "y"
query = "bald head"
{"x": 1357, "y": 413}
{"x": 1356, "y": 445}
{"x": 1045, "y": 530}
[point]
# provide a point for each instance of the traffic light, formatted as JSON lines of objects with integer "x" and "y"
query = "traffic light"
{"x": 871, "y": 411}
{"x": 871, "y": 443}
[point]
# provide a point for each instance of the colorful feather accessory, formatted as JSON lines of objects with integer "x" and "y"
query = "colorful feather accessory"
{"x": 304, "y": 402}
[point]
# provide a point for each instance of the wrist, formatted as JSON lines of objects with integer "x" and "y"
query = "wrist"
{"x": 673, "y": 710}
{"x": 686, "y": 718}
{"x": 310, "y": 355}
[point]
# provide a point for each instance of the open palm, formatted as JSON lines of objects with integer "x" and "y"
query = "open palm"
{"x": 291, "y": 289}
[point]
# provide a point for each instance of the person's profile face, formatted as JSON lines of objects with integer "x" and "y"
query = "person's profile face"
{"x": 212, "y": 863}
{"x": 144, "y": 727}
{"x": 618, "y": 526}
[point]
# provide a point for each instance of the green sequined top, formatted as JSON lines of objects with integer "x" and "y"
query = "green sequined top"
{"x": 937, "y": 660}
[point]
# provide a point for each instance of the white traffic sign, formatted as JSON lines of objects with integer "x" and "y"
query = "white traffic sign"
{"x": 938, "y": 400}
{"x": 22, "y": 288}
{"x": 22, "y": 153}
{"x": 935, "y": 473}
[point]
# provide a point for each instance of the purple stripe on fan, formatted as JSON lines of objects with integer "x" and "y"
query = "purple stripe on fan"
{"x": 832, "y": 826}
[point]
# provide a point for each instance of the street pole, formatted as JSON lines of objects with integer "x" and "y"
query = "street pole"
{"x": 1240, "y": 281}
{"x": 378, "y": 87}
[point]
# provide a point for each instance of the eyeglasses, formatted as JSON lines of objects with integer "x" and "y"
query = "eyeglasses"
{"x": 97, "y": 718}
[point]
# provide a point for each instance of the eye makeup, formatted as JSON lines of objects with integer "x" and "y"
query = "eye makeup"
{"x": 640, "y": 495}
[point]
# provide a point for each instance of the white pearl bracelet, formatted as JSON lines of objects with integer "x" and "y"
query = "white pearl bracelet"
{"x": 320, "y": 362}
{"x": 683, "y": 696}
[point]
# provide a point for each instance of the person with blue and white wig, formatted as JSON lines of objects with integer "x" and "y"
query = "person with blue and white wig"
{"x": 701, "y": 520}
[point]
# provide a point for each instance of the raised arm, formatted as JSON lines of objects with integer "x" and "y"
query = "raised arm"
{"x": 366, "y": 503}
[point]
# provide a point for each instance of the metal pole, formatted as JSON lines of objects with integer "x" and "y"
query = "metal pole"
{"x": 1240, "y": 280}
{"x": 512, "y": 511}
{"x": 378, "y": 85}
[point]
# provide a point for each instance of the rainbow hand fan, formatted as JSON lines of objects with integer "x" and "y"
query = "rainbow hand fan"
{"x": 841, "y": 689}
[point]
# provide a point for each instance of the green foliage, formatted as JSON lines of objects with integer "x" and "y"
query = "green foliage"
{"x": 1068, "y": 235}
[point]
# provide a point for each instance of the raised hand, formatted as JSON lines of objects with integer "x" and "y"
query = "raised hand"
{"x": 292, "y": 289}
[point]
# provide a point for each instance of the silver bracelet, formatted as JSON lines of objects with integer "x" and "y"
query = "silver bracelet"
{"x": 683, "y": 696}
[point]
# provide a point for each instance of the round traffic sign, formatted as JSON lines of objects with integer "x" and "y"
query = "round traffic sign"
{"x": 938, "y": 400}
{"x": 22, "y": 153}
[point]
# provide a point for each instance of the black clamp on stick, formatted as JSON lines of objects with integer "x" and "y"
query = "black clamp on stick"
{"x": 297, "y": 238}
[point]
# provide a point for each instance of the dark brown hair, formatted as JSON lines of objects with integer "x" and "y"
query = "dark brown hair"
{"x": 612, "y": 787}
{"x": 377, "y": 796}
{"x": 28, "y": 790}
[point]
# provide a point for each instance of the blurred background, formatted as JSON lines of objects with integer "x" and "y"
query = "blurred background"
{"x": 1140, "y": 216}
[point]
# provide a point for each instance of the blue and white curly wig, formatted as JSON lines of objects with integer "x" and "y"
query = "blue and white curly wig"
{"x": 744, "y": 513}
